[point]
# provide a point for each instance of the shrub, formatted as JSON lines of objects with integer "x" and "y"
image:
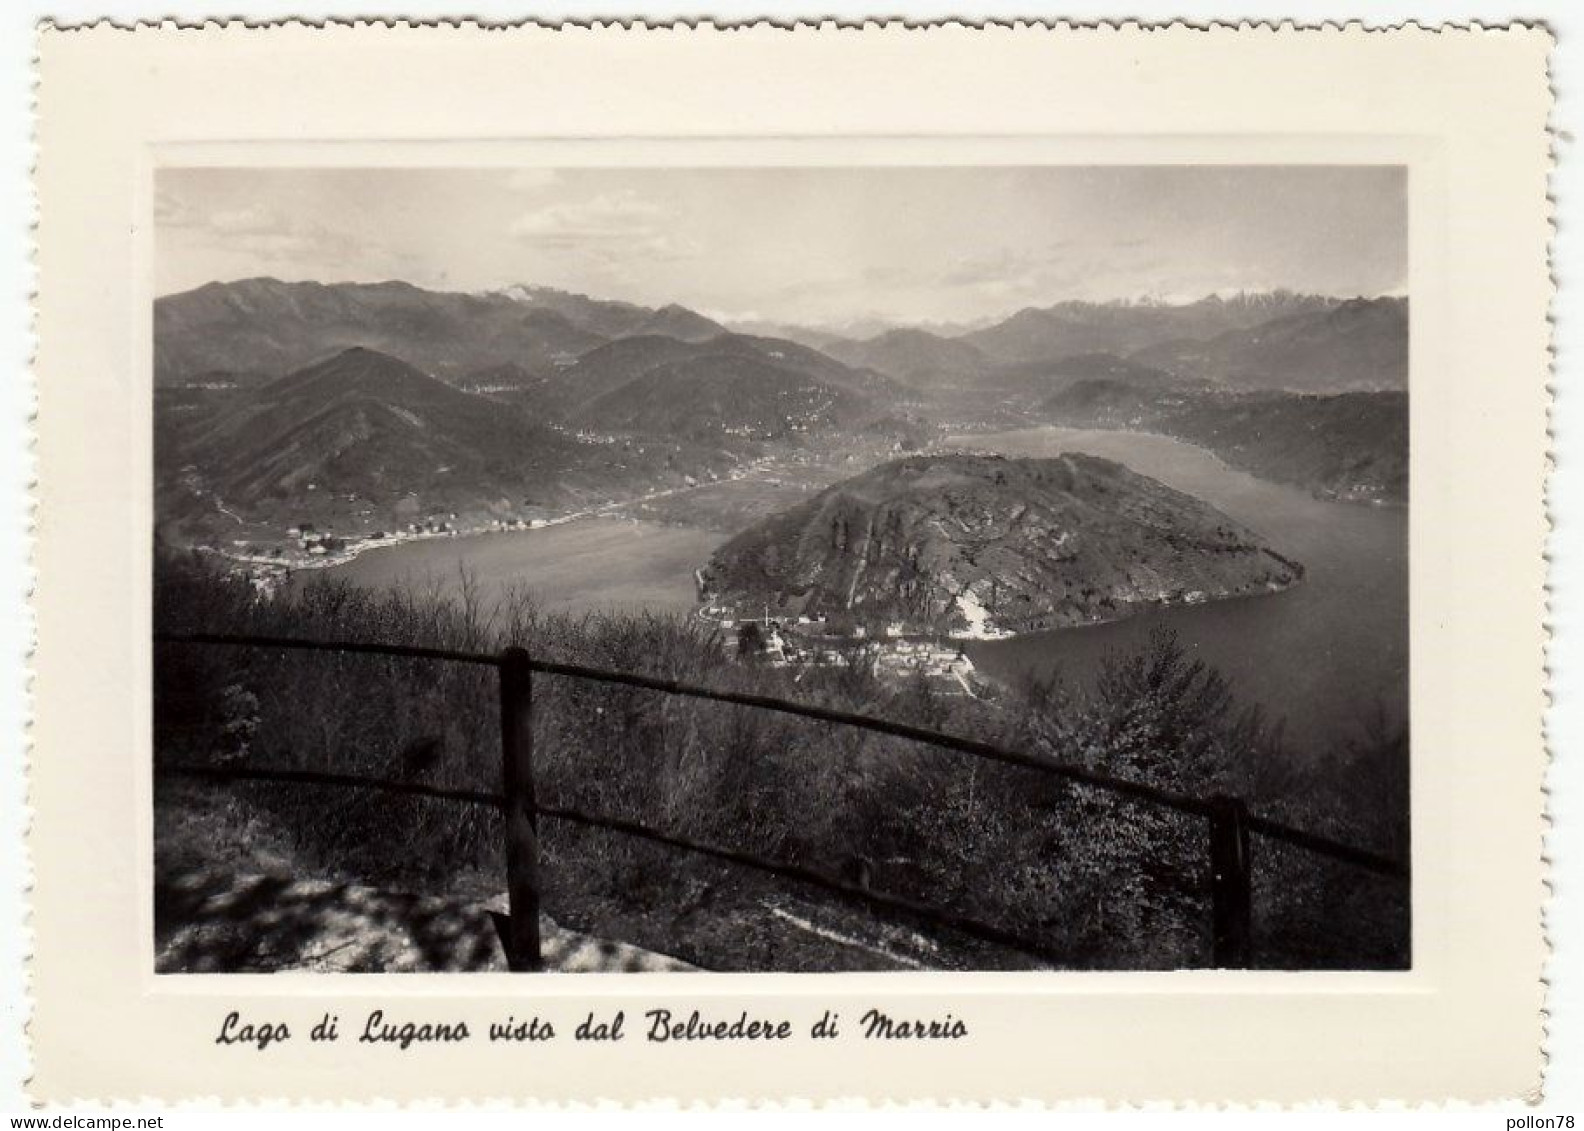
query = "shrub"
{"x": 1101, "y": 880}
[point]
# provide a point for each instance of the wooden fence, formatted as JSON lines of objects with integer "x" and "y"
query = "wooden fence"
{"x": 1231, "y": 825}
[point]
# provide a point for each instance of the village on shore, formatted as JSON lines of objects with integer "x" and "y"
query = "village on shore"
{"x": 788, "y": 642}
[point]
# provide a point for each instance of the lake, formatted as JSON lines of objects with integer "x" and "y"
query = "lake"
{"x": 1322, "y": 655}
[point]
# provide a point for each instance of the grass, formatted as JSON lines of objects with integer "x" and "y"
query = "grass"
{"x": 1105, "y": 883}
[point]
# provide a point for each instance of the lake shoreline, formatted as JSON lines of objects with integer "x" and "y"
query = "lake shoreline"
{"x": 285, "y": 570}
{"x": 1317, "y": 653}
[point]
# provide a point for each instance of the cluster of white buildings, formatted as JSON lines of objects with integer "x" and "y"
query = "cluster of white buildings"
{"x": 313, "y": 541}
{"x": 910, "y": 657}
{"x": 793, "y": 642}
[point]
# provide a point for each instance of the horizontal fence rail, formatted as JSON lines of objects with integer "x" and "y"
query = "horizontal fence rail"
{"x": 338, "y": 781}
{"x": 1136, "y": 790}
{"x": 366, "y": 648}
{"x": 1325, "y": 846}
{"x": 1230, "y": 822}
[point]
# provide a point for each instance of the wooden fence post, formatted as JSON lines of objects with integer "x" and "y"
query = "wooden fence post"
{"x": 1231, "y": 884}
{"x": 520, "y": 811}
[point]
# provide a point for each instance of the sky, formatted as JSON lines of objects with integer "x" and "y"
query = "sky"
{"x": 823, "y": 246}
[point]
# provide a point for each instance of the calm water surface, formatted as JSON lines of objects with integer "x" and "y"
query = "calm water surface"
{"x": 1322, "y": 655}
{"x": 593, "y": 563}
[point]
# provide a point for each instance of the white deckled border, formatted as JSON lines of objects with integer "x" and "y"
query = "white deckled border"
{"x": 1466, "y": 108}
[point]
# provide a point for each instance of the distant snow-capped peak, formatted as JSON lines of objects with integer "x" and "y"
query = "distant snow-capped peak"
{"x": 515, "y": 291}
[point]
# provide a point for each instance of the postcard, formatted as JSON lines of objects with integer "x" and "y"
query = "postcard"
{"x": 934, "y": 563}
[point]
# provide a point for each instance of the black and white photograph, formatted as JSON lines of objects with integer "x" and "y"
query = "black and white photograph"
{"x": 791, "y": 569}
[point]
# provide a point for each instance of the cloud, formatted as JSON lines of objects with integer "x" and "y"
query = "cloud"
{"x": 269, "y": 237}
{"x": 609, "y": 215}
{"x": 620, "y": 221}
{"x": 1081, "y": 267}
{"x": 170, "y": 211}
{"x": 998, "y": 267}
{"x": 252, "y": 221}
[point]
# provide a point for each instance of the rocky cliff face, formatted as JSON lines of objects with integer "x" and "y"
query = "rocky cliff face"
{"x": 985, "y": 546}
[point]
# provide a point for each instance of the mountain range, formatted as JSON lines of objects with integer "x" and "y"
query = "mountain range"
{"x": 366, "y": 433}
{"x": 982, "y": 545}
{"x": 673, "y": 321}
{"x": 271, "y": 328}
{"x": 1358, "y": 344}
{"x": 917, "y": 357}
{"x": 1350, "y": 445}
{"x": 530, "y": 396}
{"x": 717, "y": 393}
{"x": 257, "y": 328}
{"x": 1068, "y": 328}
{"x": 366, "y": 426}
{"x": 1296, "y": 343}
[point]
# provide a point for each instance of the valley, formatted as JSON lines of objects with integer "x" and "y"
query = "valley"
{"x": 1001, "y": 487}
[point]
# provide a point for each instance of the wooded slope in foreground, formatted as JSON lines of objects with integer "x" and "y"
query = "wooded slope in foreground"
{"x": 1107, "y": 884}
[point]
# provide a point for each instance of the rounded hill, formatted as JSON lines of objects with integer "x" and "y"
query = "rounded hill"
{"x": 982, "y": 545}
